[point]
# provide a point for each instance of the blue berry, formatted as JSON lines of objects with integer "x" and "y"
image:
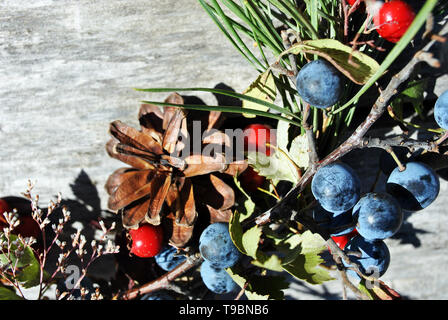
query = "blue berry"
{"x": 337, "y": 187}
{"x": 168, "y": 260}
{"x": 216, "y": 246}
{"x": 319, "y": 83}
{"x": 217, "y": 279}
{"x": 415, "y": 188}
{"x": 378, "y": 216}
{"x": 336, "y": 224}
{"x": 159, "y": 295}
{"x": 441, "y": 111}
{"x": 374, "y": 260}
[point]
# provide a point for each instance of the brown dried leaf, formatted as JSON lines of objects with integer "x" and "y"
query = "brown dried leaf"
{"x": 160, "y": 185}
{"x": 180, "y": 234}
{"x": 169, "y": 112}
{"x": 171, "y": 135}
{"x": 216, "y": 137}
{"x": 225, "y": 191}
{"x": 134, "y": 138}
{"x": 235, "y": 168}
{"x": 130, "y": 160}
{"x": 135, "y": 213}
{"x": 198, "y": 164}
{"x": 187, "y": 213}
{"x": 115, "y": 179}
{"x": 133, "y": 186}
{"x": 219, "y": 215}
{"x": 126, "y": 150}
{"x": 150, "y": 117}
{"x": 213, "y": 118}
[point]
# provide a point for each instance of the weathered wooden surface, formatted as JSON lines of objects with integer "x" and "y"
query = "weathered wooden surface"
{"x": 68, "y": 68}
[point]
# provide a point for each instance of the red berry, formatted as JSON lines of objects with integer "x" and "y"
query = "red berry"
{"x": 342, "y": 241}
{"x": 250, "y": 180}
{"x": 351, "y": 2}
{"x": 147, "y": 240}
{"x": 393, "y": 20}
{"x": 256, "y": 136}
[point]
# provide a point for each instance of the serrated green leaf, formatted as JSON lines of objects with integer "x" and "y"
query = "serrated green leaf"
{"x": 270, "y": 262}
{"x": 303, "y": 257}
{"x": 236, "y": 231}
{"x": 306, "y": 267}
{"x": 8, "y": 294}
{"x": 241, "y": 281}
{"x": 299, "y": 151}
{"x": 251, "y": 240}
{"x": 282, "y": 135}
{"x": 249, "y": 205}
{"x": 27, "y": 266}
{"x": 359, "y": 71}
{"x": 259, "y": 287}
{"x": 312, "y": 242}
{"x": 262, "y": 88}
{"x": 276, "y": 167}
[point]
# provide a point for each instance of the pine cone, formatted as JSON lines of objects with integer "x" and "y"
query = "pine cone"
{"x": 160, "y": 183}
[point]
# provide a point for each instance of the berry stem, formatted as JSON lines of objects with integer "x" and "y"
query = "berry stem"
{"x": 164, "y": 281}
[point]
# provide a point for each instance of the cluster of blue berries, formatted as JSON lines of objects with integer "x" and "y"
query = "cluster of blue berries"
{"x": 375, "y": 215}
{"x": 219, "y": 253}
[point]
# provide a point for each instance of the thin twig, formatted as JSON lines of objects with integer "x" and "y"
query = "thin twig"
{"x": 164, "y": 281}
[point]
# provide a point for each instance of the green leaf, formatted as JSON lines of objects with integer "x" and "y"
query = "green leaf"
{"x": 249, "y": 205}
{"x": 250, "y": 241}
{"x": 311, "y": 242}
{"x": 359, "y": 71}
{"x": 306, "y": 267}
{"x": 282, "y": 165}
{"x": 247, "y": 242}
{"x": 30, "y": 275}
{"x": 236, "y": 231}
{"x": 413, "y": 94}
{"x": 271, "y": 262}
{"x": 8, "y": 294}
{"x": 299, "y": 151}
{"x": 263, "y": 88}
{"x": 276, "y": 167}
{"x": 303, "y": 257}
{"x": 27, "y": 266}
{"x": 282, "y": 135}
{"x": 259, "y": 287}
